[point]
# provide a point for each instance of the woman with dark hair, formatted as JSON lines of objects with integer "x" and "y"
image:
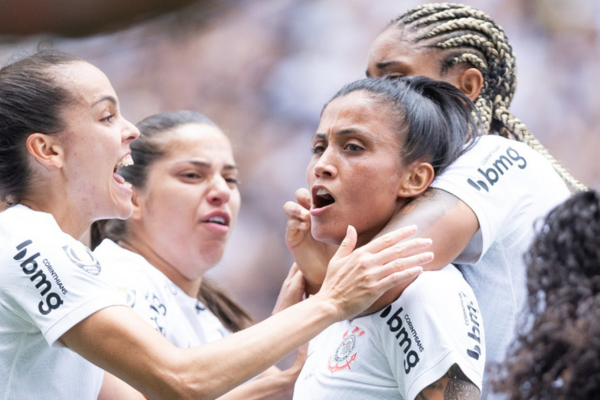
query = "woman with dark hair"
{"x": 558, "y": 356}
{"x": 185, "y": 205}
{"x": 62, "y": 139}
{"x": 379, "y": 143}
{"x": 480, "y": 212}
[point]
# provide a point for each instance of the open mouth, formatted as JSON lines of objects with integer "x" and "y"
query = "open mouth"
{"x": 322, "y": 198}
{"x": 218, "y": 218}
{"x": 124, "y": 162}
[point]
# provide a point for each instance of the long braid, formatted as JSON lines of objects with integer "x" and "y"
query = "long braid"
{"x": 467, "y": 35}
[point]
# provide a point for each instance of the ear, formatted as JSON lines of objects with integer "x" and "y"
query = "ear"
{"x": 138, "y": 205}
{"x": 470, "y": 82}
{"x": 416, "y": 180}
{"x": 45, "y": 150}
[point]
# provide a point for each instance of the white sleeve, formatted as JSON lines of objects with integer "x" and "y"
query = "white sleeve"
{"x": 498, "y": 179}
{"x": 433, "y": 325}
{"x": 53, "y": 281}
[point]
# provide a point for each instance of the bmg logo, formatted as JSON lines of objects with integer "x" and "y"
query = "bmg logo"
{"x": 502, "y": 164}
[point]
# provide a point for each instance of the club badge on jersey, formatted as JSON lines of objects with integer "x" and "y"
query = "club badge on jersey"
{"x": 83, "y": 258}
{"x": 346, "y": 352}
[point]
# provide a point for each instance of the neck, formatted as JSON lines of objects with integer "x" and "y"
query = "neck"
{"x": 65, "y": 214}
{"x": 137, "y": 245}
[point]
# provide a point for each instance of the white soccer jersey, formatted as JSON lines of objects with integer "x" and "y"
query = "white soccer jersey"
{"x": 509, "y": 187}
{"x": 400, "y": 350}
{"x": 49, "y": 283}
{"x": 182, "y": 319}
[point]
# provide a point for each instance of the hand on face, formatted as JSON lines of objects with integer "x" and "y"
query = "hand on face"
{"x": 355, "y": 279}
{"x": 311, "y": 256}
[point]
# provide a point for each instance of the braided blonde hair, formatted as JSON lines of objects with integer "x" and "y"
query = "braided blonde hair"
{"x": 470, "y": 36}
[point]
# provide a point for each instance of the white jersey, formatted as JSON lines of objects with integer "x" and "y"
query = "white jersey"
{"x": 400, "y": 350}
{"x": 49, "y": 282}
{"x": 181, "y": 319}
{"x": 509, "y": 187}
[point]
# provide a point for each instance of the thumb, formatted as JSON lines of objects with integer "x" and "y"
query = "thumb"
{"x": 348, "y": 243}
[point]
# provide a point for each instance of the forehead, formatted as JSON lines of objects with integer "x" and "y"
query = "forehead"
{"x": 197, "y": 140}
{"x": 85, "y": 82}
{"x": 360, "y": 111}
{"x": 397, "y": 44}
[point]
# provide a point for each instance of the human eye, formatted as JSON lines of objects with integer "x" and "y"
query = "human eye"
{"x": 353, "y": 147}
{"x": 232, "y": 182}
{"x": 190, "y": 176}
{"x": 318, "y": 147}
{"x": 109, "y": 119}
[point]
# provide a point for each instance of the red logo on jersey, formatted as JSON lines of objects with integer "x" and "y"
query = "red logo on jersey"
{"x": 346, "y": 352}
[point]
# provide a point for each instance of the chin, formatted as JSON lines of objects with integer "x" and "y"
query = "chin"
{"x": 327, "y": 236}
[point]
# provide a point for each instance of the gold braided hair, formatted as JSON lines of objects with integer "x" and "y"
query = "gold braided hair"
{"x": 470, "y": 36}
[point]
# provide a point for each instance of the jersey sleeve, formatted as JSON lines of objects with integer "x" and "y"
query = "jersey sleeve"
{"x": 432, "y": 326}
{"x": 496, "y": 178}
{"x": 53, "y": 282}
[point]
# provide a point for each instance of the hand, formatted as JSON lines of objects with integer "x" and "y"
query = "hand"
{"x": 356, "y": 279}
{"x": 311, "y": 256}
{"x": 292, "y": 290}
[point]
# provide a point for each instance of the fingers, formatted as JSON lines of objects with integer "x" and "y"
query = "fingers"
{"x": 398, "y": 278}
{"x": 401, "y": 265}
{"x": 303, "y": 197}
{"x": 295, "y": 210}
{"x": 298, "y": 216}
{"x": 347, "y": 244}
{"x": 403, "y": 249}
{"x": 389, "y": 239}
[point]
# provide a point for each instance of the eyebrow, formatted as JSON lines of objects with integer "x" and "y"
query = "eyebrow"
{"x": 205, "y": 164}
{"x": 108, "y": 98}
{"x": 343, "y": 132}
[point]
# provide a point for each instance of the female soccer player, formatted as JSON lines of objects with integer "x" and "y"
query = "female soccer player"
{"x": 480, "y": 212}
{"x": 185, "y": 205}
{"x": 380, "y": 143}
{"x": 62, "y": 139}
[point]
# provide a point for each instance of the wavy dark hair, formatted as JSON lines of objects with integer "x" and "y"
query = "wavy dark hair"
{"x": 149, "y": 148}
{"x": 558, "y": 357}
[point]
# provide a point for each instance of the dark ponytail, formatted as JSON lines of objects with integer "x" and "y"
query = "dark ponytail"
{"x": 433, "y": 119}
{"x": 149, "y": 148}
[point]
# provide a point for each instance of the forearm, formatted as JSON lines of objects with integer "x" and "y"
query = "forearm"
{"x": 118, "y": 341}
{"x": 273, "y": 387}
{"x": 442, "y": 217}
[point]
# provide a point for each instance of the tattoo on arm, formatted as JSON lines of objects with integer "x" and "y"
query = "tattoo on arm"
{"x": 454, "y": 385}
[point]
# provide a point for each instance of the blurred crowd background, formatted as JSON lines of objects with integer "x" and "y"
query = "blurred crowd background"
{"x": 263, "y": 69}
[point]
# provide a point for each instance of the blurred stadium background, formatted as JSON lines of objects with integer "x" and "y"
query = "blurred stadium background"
{"x": 262, "y": 70}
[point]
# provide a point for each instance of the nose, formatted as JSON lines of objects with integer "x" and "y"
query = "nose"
{"x": 219, "y": 192}
{"x": 130, "y": 132}
{"x": 325, "y": 166}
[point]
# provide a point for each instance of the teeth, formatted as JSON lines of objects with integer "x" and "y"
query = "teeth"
{"x": 125, "y": 161}
{"x": 322, "y": 193}
{"x": 127, "y": 185}
{"x": 217, "y": 220}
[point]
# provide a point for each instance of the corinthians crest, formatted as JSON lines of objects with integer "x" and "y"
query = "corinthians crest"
{"x": 346, "y": 352}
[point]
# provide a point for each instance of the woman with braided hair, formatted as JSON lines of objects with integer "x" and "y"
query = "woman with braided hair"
{"x": 559, "y": 356}
{"x": 480, "y": 212}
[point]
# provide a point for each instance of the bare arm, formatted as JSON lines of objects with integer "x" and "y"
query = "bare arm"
{"x": 272, "y": 385}
{"x": 453, "y": 386}
{"x": 120, "y": 342}
{"x": 442, "y": 217}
